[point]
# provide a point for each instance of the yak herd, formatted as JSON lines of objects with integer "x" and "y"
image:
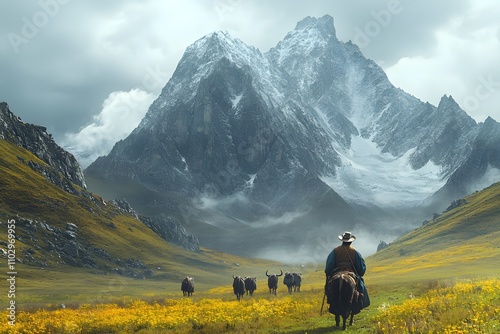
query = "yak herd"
{"x": 247, "y": 285}
{"x": 340, "y": 289}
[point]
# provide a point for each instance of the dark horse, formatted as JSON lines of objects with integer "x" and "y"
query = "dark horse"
{"x": 343, "y": 297}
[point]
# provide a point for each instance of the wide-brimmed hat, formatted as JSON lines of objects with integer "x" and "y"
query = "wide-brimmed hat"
{"x": 347, "y": 237}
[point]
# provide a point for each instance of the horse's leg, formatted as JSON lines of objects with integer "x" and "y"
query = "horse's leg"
{"x": 337, "y": 320}
{"x": 343, "y": 322}
{"x": 352, "y": 319}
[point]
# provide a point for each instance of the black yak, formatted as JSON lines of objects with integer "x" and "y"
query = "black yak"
{"x": 250, "y": 285}
{"x": 187, "y": 286}
{"x": 297, "y": 281}
{"x": 288, "y": 281}
{"x": 272, "y": 282}
{"x": 238, "y": 286}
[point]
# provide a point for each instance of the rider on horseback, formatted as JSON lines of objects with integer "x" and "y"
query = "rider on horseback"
{"x": 346, "y": 258}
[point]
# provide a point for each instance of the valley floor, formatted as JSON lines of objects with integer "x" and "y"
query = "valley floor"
{"x": 102, "y": 304}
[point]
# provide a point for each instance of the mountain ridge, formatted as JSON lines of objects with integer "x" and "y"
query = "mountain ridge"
{"x": 36, "y": 140}
{"x": 59, "y": 222}
{"x": 234, "y": 125}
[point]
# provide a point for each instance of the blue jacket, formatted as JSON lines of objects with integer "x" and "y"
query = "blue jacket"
{"x": 359, "y": 266}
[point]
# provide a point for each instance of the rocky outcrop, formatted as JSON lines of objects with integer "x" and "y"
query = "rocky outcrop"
{"x": 482, "y": 165}
{"x": 172, "y": 231}
{"x": 166, "y": 227}
{"x": 64, "y": 246}
{"x": 62, "y": 168}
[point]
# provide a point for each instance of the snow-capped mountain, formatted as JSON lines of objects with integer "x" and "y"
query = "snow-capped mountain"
{"x": 287, "y": 146}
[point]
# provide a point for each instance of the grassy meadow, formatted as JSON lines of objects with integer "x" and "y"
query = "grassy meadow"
{"x": 453, "y": 305}
{"x": 441, "y": 278}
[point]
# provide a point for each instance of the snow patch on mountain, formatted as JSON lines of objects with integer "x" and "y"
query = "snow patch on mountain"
{"x": 236, "y": 100}
{"x": 361, "y": 113}
{"x": 369, "y": 176}
{"x": 250, "y": 183}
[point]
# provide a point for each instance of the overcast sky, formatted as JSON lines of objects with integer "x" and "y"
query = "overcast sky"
{"x": 88, "y": 69}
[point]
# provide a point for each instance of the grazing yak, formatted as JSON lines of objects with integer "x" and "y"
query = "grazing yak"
{"x": 187, "y": 286}
{"x": 272, "y": 282}
{"x": 297, "y": 280}
{"x": 343, "y": 297}
{"x": 238, "y": 286}
{"x": 288, "y": 281}
{"x": 292, "y": 281}
{"x": 250, "y": 284}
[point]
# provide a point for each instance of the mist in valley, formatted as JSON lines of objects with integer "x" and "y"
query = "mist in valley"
{"x": 303, "y": 237}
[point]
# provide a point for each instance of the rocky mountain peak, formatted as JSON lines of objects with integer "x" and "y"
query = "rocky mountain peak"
{"x": 197, "y": 63}
{"x": 221, "y": 44}
{"x": 490, "y": 121}
{"x": 450, "y": 109}
{"x": 447, "y": 102}
{"x": 490, "y": 128}
{"x": 311, "y": 37}
{"x": 324, "y": 25}
{"x": 247, "y": 140}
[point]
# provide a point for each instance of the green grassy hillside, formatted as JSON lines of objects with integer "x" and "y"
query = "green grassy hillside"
{"x": 464, "y": 241}
{"x": 44, "y": 277}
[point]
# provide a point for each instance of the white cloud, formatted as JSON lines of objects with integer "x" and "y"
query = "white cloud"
{"x": 462, "y": 64}
{"x": 121, "y": 113}
{"x": 93, "y": 47}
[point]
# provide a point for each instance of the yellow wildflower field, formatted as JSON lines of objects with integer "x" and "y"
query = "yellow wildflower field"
{"x": 171, "y": 315}
{"x": 466, "y": 307}
{"x": 450, "y": 308}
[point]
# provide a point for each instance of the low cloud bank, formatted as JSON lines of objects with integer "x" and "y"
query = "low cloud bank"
{"x": 121, "y": 113}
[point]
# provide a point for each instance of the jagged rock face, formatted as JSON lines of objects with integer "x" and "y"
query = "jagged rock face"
{"x": 165, "y": 226}
{"x": 170, "y": 230}
{"x": 482, "y": 167}
{"x": 35, "y": 139}
{"x": 66, "y": 246}
{"x": 226, "y": 139}
{"x": 62, "y": 169}
{"x": 240, "y": 136}
{"x": 442, "y": 136}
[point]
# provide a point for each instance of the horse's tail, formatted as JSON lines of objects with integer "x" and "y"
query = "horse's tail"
{"x": 341, "y": 283}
